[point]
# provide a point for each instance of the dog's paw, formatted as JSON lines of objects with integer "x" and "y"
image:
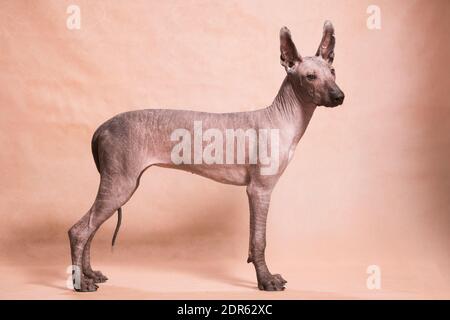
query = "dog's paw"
{"x": 273, "y": 282}
{"x": 96, "y": 276}
{"x": 86, "y": 285}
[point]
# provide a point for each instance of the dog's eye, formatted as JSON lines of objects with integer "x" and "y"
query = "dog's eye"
{"x": 311, "y": 77}
{"x": 333, "y": 72}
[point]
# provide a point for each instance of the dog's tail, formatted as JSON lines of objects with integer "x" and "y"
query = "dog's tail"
{"x": 119, "y": 221}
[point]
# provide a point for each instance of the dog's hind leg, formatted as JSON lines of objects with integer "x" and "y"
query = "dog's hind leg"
{"x": 96, "y": 276}
{"x": 114, "y": 191}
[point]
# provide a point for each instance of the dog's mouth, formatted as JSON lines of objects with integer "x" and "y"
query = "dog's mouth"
{"x": 332, "y": 105}
{"x": 334, "y": 102}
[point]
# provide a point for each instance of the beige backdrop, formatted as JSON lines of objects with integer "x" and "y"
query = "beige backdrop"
{"x": 369, "y": 184}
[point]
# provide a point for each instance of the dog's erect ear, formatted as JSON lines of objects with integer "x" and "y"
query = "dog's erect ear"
{"x": 289, "y": 55}
{"x": 326, "y": 47}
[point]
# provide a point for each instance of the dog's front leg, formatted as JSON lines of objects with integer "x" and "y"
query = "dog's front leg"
{"x": 259, "y": 200}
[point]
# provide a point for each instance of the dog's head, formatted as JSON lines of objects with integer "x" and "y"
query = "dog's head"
{"x": 314, "y": 78}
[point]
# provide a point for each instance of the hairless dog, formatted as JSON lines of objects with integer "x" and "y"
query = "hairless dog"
{"x": 129, "y": 143}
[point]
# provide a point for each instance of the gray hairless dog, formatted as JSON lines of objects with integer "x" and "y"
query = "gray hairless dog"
{"x": 129, "y": 143}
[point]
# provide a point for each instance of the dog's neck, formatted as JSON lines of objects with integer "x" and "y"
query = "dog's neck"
{"x": 290, "y": 110}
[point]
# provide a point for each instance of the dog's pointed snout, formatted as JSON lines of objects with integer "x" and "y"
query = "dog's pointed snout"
{"x": 339, "y": 98}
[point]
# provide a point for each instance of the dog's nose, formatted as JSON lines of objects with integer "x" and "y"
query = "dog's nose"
{"x": 338, "y": 98}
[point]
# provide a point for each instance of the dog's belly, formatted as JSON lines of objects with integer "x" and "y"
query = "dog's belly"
{"x": 229, "y": 174}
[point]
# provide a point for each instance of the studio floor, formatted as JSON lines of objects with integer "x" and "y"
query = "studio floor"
{"x": 171, "y": 277}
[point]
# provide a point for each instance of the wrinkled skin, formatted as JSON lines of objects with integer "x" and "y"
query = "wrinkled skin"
{"x": 126, "y": 145}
